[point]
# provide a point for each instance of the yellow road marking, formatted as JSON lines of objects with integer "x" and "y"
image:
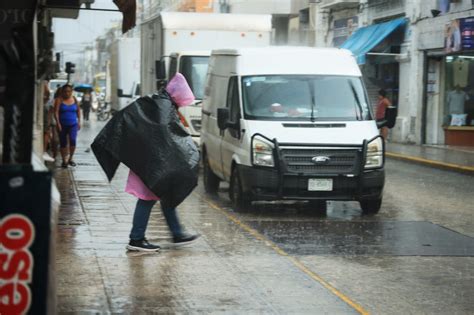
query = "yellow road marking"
{"x": 431, "y": 162}
{"x": 281, "y": 252}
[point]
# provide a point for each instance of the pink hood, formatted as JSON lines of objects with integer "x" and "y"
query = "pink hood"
{"x": 180, "y": 91}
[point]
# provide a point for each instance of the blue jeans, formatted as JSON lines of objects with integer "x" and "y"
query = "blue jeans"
{"x": 142, "y": 215}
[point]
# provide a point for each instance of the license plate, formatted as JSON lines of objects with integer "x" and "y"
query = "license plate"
{"x": 320, "y": 184}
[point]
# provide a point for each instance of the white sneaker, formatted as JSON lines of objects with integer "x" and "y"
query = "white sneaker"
{"x": 47, "y": 157}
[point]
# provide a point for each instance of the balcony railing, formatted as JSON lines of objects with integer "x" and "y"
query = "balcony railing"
{"x": 339, "y": 4}
{"x": 384, "y": 8}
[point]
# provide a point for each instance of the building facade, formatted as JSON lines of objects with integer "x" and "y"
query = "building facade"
{"x": 425, "y": 63}
{"x": 420, "y": 64}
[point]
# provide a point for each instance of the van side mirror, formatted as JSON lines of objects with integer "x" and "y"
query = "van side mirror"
{"x": 121, "y": 94}
{"x": 222, "y": 118}
{"x": 160, "y": 69}
{"x": 390, "y": 118}
{"x": 137, "y": 90}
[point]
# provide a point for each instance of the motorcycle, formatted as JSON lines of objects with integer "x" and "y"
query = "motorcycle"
{"x": 103, "y": 111}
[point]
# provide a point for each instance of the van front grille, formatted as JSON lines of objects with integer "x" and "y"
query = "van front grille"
{"x": 322, "y": 161}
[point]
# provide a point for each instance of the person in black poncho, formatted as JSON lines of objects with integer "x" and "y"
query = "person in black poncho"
{"x": 148, "y": 137}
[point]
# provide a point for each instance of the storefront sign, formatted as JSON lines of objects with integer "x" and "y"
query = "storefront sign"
{"x": 344, "y": 28}
{"x": 467, "y": 33}
{"x": 459, "y": 35}
{"x": 24, "y": 241}
{"x": 17, "y": 233}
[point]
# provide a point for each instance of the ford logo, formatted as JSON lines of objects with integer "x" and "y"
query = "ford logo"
{"x": 321, "y": 159}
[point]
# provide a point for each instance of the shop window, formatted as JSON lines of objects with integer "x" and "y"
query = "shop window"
{"x": 459, "y": 91}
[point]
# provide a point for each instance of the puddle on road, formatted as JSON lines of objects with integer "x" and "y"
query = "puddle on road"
{"x": 365, "y": 238}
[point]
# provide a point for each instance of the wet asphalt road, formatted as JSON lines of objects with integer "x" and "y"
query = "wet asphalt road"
{"x": 414, "y": 257}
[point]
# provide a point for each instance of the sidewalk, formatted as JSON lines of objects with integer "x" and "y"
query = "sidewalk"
{"x": 459, "y": 159}
{"x": 227, "y": 270}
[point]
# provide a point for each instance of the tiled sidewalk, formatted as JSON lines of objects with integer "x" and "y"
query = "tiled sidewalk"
{"x": 460, "y": 159}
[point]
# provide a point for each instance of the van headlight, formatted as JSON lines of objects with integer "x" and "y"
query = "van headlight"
{"x": 262, "y": 152}
{"x": 374, "y": 158}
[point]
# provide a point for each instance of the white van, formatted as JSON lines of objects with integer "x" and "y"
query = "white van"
{"x": 290, "y": 123}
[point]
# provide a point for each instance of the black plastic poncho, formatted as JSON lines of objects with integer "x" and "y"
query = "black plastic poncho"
{"x": 148, "y": 137}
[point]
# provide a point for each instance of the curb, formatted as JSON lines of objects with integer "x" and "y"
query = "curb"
{"x": 436, "y": 164}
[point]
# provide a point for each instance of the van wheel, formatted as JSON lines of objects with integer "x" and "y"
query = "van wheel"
{"x": 239, "y": 199}
{"x": 318, "y": 205}
{"x": 211, "y": 181}
{"x": 371, "y": 206}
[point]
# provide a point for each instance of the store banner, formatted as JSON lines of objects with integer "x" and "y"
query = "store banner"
{"x": 459, "y": 35}
{"x": 25, "y": 230}
{"x": 452, "y": 37}
{"x": 467, "y": 33}
{"x": 343, "y": 29}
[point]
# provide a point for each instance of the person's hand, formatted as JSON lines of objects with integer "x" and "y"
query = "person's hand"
{"x": 59, "y": 128}
{"x": 78, "y": 126}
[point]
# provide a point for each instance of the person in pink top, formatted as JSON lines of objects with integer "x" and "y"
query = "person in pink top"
{"x": 382, "y": 105}
{"x": 181, "y": 95}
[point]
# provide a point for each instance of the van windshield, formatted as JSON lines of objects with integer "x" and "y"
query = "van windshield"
{"x": 194, "y": 69}
{"x": 304, "y": 98}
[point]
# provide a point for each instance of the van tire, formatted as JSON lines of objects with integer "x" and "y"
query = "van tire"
{"x": 318, "y": 205}
{"x": 240, "y": 200}
{"x": 371, "y": 206}
{"x": 211, "y": 181}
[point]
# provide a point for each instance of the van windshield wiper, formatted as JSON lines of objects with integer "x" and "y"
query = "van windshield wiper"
{"x": 360, "y": 112}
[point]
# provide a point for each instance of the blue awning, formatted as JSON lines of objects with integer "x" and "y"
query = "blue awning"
{"x": 366, "y": 38}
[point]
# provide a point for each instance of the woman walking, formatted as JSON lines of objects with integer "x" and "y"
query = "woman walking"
{"x": 148, "y": 137}
{"x": 86, "y": 104}
{"x": 68, "y": 118}
{"x": 180, "y": 95}
{"x": 382, "y": 105}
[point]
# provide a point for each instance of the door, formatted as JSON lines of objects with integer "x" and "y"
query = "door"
{"x": 216, "y": 97}
{"x": 231, "y": 141}
{"x": 434, "y": 110}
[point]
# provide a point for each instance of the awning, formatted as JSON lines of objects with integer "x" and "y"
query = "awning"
{"x": 366, "y": 38}
{"x": 129, "y": 10}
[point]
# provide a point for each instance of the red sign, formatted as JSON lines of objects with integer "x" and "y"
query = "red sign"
{"x": 17, "y": 233}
